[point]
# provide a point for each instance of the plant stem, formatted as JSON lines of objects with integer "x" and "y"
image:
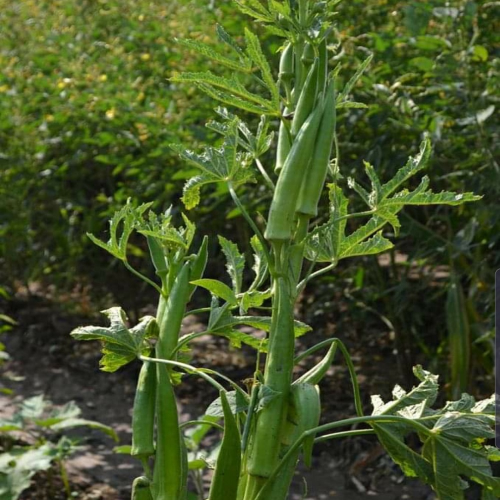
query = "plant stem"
{"x": 250, "y": 221}
{"x": 343, "y": 434}
{"x": 143, "y": 278}
{"x": 65, "y": 480}
{"x": 262, "y": 170}
{"x": 266, "y": 440}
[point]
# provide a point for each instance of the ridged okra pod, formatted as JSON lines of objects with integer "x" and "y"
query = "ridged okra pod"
{"x": 227, "y": 471}
{"x": 282, "y": 211}
{"x": 307, "y": 99}
{"x": 141, "y": 489}
{"x": 170, "y": 459}
{"x": 317, "y": 169}
{"x": 143, "y": 415}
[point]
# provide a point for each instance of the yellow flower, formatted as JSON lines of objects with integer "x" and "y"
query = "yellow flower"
{"x": 103, "y": 78}
{"x": 110, "y": 113}
{"x": 145, "y": 57}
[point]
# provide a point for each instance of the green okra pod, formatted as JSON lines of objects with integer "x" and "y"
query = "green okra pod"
{"x": 284, "y": 145}
{"x": 307, "y": 99}
{"x": 314, "y": 180}
{"x": 286, "y": 72}
{"x": 282, "y": 211}
{"x": 141, "y": 489}
{"x": 168, "y": 483}
{"x": 227, "y": 470}
{"x": 308, "y": 55}
{"x": 169, "y": 458}
{"x": 157, "y": 257}
{"x": 171, "y": 312}
{"x": 323, "y": 65}
{"x": 143, "y": 416}
{"x": 198, "y": 265}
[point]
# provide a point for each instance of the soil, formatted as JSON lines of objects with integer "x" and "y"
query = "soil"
{"x": 46, "y": 360}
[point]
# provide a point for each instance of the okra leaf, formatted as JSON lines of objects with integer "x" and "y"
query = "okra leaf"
{"x": 224, "y": 164}
{"x": 191, "y": 190}
{"x": 255, "y": 9}
{"x": 235, "y": 262}
{"x": 453, "y": 444}
{"x": 427, "y": 197}
{"x": 266, "y": 396}
{"x": 19, "y": 465}
{"x": 254, "y": 51}
{"x": 351, "y": 105}
{"x": 237, "y": 102}
{"x": 413, "y": 165}
{"x": 71, "y": 423}
{"x": 120, "y": 345}
{"x": 375, "y": 182}
{"x": 226, "y": 38}
{"x": 237, "y": 403}
{"x": 217, "y": 288}
{"x": 124, "y": 219}
{"x": 350, "y": 84}
{"x": 253, "y": 299}
{"x": 374, "y": 224}
{"x": 237, "y": 338}
{"x": 244, "y": 65}
{"x": 325, "y": 244}
{"x": 264, "y": 323}
{"x": 426, "y": 391}
{"x": 372, "y": 246}
{"x": 230, "y": 85}
{"x": 259, "y": 267}
{"x": 362, "y": 192}
{"x": 32, "y": 408}
{"x": 282, "y": 8}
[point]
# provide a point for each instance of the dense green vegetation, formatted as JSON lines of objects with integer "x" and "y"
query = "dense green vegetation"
{"x": 87, "y": 113}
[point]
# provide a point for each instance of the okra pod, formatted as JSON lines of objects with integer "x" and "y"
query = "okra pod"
{"x": 143, "y": 416}
{"x": 157, "y": 257}
{"x": 307, "y": 99}
{"x": 283, "y": 147}
{"x": 227, "y": 471}
{"x": 314, "y": 180}
{"x": 282, "y": 211}
{"x": 286, "y": 73}
{"x": 171, "y": 312}
{"x": 323, "y": 65}
{"x": 169, "y": 458}
{"x": 197, "y": 267}
{"x": 141, "y": 489}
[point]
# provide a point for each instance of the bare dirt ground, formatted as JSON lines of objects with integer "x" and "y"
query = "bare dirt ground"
{"x": 46, "y": 360}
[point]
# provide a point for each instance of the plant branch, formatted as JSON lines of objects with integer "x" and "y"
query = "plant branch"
{"x": 250, "y": 221}
{"x": 143, "y": 278}
{"x": 262, "y": 170}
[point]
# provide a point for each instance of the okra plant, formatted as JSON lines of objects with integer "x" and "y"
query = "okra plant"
{"x": 274, "y": 420}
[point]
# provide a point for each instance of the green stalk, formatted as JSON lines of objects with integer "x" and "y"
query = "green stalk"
{"x": 169, "y": 458}
{"x": 264, "y": 449}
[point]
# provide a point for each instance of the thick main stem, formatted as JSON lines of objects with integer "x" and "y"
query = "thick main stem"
{"x": 266, "y": 443}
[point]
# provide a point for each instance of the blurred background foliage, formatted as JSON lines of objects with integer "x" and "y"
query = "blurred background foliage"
{"x": 87, "y": 113}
